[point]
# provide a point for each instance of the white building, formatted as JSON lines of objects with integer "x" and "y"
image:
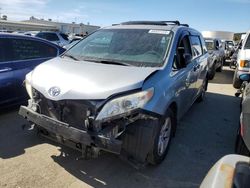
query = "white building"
{"x": 64, "y": 27}
{"x": 6, "y": 25}
{"x": 223, "y": 35}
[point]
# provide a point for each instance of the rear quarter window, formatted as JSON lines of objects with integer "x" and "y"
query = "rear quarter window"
{"x": 23, "y": 49}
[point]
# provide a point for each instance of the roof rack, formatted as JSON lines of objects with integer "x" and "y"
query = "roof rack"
{"x": 153, "y": 23}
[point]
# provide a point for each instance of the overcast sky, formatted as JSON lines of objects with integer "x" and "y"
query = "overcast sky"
{"x": 220, "y": 15}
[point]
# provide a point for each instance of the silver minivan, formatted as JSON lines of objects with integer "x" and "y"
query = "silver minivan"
{"x": 122, "y": 89}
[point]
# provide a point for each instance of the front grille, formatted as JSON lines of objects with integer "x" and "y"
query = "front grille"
{"x": 73, "y": 112}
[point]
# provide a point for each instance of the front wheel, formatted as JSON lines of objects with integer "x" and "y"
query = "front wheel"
{"x": 162, "y": 139}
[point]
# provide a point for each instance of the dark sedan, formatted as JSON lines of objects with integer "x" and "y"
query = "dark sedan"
{"x": 19, "y": 54}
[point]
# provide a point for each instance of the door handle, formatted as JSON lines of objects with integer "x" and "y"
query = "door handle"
{"x": 6, "y": 69}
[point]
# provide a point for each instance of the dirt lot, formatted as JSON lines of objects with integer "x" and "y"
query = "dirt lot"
{"x": 205, "y": 134}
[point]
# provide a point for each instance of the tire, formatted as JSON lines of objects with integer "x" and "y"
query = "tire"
{"x": 236, "y": 81}
{"x": 240, "y": 146}
{"x": 203, "y": 92}
{"x": 212, "y": 73}
{"x": 219, "y": 69}
{"x": 162, "y": 139}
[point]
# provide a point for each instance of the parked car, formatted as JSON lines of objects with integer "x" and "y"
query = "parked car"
{"x": 73, "y": 42}
{"x": 19, "y": 54}
{"x": 31, "y": 33}
{"x": 122, "y": 89}
{"x": 243, "y": 61}
{"x": 58, "y": 38}
{"x": 216, "y": 58}
{"x": 229, "y": 48}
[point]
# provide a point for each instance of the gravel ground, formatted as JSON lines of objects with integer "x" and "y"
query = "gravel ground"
{"x": 205, "y": 134}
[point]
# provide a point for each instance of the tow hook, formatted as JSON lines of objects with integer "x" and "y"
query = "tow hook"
{"x": 88, "y": 152}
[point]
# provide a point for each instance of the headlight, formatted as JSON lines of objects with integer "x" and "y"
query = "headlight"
{"x": 125, "y": 104}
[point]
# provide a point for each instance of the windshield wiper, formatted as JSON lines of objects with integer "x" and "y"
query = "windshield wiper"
{"x": 114, "y": 63}
{"x": 70, "y": 56}
{"x": 107, "y": 62}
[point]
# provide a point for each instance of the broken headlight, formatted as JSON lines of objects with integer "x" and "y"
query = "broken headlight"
{"x": 125, "y": 104}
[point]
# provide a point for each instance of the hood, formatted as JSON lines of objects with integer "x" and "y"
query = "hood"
{"x": 86, "y": 80}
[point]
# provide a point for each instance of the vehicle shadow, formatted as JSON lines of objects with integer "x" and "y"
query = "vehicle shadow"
{"x": 204, "y": 135}
{"x": 224, "y": 77}
{"x": 15, "y": 133}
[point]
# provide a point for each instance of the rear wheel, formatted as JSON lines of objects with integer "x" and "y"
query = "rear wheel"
{"x": 212, "y": 73}
{"x": 219, "y": 69}
{"x": 203, "y": 92}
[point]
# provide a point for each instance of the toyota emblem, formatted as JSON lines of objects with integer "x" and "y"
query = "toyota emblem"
{"x": 54, "y": 91}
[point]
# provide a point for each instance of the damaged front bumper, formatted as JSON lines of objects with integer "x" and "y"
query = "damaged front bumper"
{"x": 68, "y": 132}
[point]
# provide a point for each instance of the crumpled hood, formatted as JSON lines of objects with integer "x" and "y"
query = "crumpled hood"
{"x": 86, "y": 80}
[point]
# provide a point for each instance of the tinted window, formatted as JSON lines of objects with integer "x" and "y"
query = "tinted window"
{"x": 247, "y": 45}
{"x": 196, "y": 46}
{"x": 22, "y": 49}
{"x": 64, "y": 36}
{"x": 48, "y": 36}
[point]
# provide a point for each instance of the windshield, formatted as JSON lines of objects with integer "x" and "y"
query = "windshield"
{"x": 210, "y": 44}
{"x": 135, "y": 47}
{"x": 247, "y": 44}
